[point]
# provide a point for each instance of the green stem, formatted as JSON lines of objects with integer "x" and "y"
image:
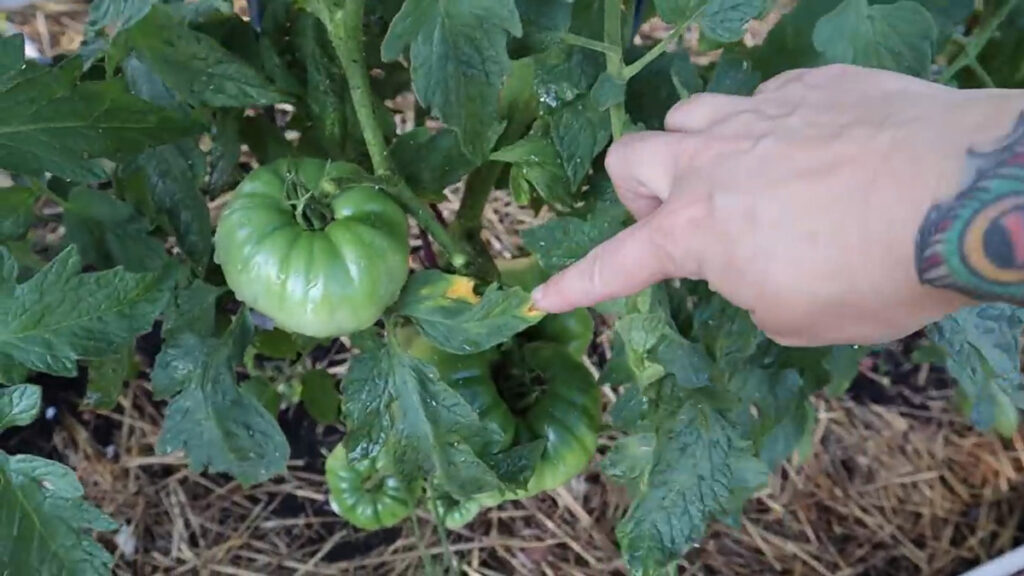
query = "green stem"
{"x": 977, "y": 42}
{"x": 635, "y": 68}
{"x": 614, "y": 63}
{"x": 584, "y": 42}
{"x": 986, "y": 80}
{"x": 344, "y": 22}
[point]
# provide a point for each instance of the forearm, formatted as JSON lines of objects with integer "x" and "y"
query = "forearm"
{"x": 973, "y": 243}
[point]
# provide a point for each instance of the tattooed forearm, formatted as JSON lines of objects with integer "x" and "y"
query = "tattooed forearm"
{"x": 974, "y": 243}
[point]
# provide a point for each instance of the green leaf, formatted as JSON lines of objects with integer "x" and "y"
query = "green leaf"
{"x": 650, "y": 94}
{"x": 219, "y": 427}
{"x": 564, "y": 73}
{"x": 17, "y": 211}
{"x": 107, "y": 377}
{"x": 630, "y": 411}
{"x": 453, "y": 317}
{"x": 629, "y": 461}
{"x": 390, "y": 396}
{"x": 46, "y": 525}
{"x": 728, "y": 332}
{"x": 192, "y": 309}
{"x": 543, "y": 21}
{"x": 678, "y": 11}
{"x": 688, "y": 484}
{"x": 789, "y": 44}
{"x": 562, "y": 241}
{"x": 782, "y": 411}
{"x": 843, "y": 365}
{"x": 19, "y": 405}
{"x": 947, "y": 14}
{"x": 536, "y": 162}
{"x": 12, "y": 53}
{"x": 734, "y": 74}
{"x": 320, "y": 396}
{"x": 725, "y": 20}
{"x": 277, "y": 343}
{"x": 111, "y": 16}
{"x": 109, "y": 232}
{"x": 459, "y": 60}
{"x": 608, "y": 91}
{"x": 227, "y": 150}
{"x": 263, "y": 392}
{"x": 430, "y": 161}
{"x": 982, "y": 346}
{"x": 580, "y": 132}
{"x": 898, "y": 37}
{"x": 61, "y": 315}
{"x": 194, "y": 65}
{"x": 51, "y": 125}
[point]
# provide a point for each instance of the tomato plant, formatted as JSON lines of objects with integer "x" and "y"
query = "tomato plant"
{"x": 238, "y": 188}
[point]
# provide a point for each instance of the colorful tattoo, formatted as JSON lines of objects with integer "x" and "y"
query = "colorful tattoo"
{"x": 974, "y": 243}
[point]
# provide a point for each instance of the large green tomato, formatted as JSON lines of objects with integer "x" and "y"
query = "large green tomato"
{"x": 316, "y": 258}
{"x": 544, "y": 392}
{"x": 366, "y": 492}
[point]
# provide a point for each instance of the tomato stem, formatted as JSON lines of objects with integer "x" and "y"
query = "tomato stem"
{"x": 344, "y": 22}
{"x": 614, "y": 63}
{"x": 974, "y": 45}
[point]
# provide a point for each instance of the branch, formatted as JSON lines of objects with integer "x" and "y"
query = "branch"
{"x": 974, "y": 45}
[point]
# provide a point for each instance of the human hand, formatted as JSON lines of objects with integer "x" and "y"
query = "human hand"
{"x": 800, "y": 204}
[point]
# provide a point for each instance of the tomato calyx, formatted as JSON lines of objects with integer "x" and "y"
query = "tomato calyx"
{"x": 312, "y": 206}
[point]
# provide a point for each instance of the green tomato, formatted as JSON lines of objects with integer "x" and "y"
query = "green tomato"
{"x": 366, "y": 492}
{"x": 573, "y": 329}
{"x": 564, "y": 411}
{"x": 457, "y": 513}
{"x": 332, "y": 273}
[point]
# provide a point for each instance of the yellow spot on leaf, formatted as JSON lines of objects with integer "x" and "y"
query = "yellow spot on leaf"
{"x": 462, "y": 289}
{"x": 530, "y": 312}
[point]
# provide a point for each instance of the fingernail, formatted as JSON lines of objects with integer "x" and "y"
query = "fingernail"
{"x": 537, "y": 295}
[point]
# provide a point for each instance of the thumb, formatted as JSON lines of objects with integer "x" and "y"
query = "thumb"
{"x": 661, "y": 246}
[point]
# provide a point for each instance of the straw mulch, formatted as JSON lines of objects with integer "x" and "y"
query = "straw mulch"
{"x": 897, "y": 485}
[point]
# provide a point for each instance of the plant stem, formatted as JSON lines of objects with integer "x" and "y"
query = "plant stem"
{"x": 614, "y": 63}
{"x": 344, "y": 22}
{"x": 635, "y": 68}
{"x": 977, "y": 42}
{"x": 584, "y": 42}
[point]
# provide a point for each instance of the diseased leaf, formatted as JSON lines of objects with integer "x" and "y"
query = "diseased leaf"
{"x": 898, "y": 37}
{"x": 320, "y": 396}
{"x": 194, "y": 65}
{"x": 107, "y": 377}
{"x": 688, "y": 484}
{"x": 459, "y": 60}
{"x": 219, "y": 427}
{"x": 430, "y": 161}
{"x": 17, "y": 211}
{"x": 455, "y": 318}
{"x": 726, "y": 20}
{"x": 61, "y": 315}
{"x": 982, "y": 346}
{"x": 19, "y": 405}
{"x": 562, "y": 241}
{"x": 46, "y": 525}
{"x": 169, "y": 177}
{"x": 432, "y": 430}
{"x": 109, "y": 232}
{"x": 52, "y": 125}
{"x": 564, "y": 73}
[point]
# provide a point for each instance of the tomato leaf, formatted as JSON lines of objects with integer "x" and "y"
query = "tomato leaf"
{"x": 192, "y": 310}
{"x": 19, "y": 405}
{"x": 608, "y": 92}
{"x": 390, "y": 396}
{"x": 454, "y": 318}
{"x": 898, "y": 37}
{"x": 320, "y": 396}
{"x": 47, "y": 525}
{"x": 50, "y": 124}
{"x": 226, "y": 138}
{"x": 542, "y": 21}
{"x": 459, "y": 60}
{"x": 263, "y": 392}
{"x": 650, "y": 94}
{"x": 982, "y": 346}
{"x": 107, "y": 377}
{"x": 580, "y": 131}
{"x": 61, "y": 315}
{"x": 782, "y": 411}
{"x": 679, "y": 11}
{"x": 17, "y": 211}
{"x": 734, "y": 74}
{"x": 430, "y": 161}
{"x": 630, "y": 460}
{"x": 843, "y": 365}
{"x": 789, "y": 44}
{"x": 725, "y": 20}
{"x": 109, "y": 232}
{"x": 536, "y": 163}
{"x": 219, "y": 427}
{"x": 194, "y": 65}
{"x": 999, "y": 54}
{"x": 110, "y": 16}
{"x": 564, "y": 73}
{"x": 562, "y": 241}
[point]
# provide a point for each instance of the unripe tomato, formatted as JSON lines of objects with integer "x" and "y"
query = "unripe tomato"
{"x": 318, "y": 259}
{"x": 366, "y": 492}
